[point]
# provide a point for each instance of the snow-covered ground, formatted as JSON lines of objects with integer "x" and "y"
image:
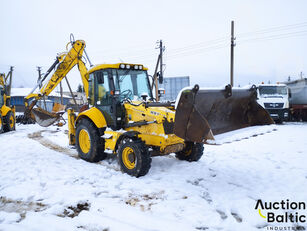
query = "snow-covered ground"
{"x": 45, "y": 186}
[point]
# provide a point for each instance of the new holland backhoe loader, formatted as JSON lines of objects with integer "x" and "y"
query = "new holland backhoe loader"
{"x": 121, "y": 116}
{"x": 7, "y": 112}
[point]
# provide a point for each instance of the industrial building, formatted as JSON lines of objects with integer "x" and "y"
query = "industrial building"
{"x": 172, "y": 86}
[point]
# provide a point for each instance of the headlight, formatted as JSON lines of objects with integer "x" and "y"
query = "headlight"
{"x": 136, "y": 67}
{"x": 122, "y": 66}
{"x": 141, "y": 67}
{"x": 128, "y": 66}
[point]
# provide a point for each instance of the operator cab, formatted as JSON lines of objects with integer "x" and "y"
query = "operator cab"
{"x": 111, "y": 84}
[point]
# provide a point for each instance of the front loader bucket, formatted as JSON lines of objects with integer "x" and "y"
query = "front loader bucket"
{"x": 200, "y": 114}
{"x": 45, "y": 118}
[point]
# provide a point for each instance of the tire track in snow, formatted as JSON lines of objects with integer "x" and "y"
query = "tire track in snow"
{"x": 48, "y": 144}
{"x": 37, "y": 136}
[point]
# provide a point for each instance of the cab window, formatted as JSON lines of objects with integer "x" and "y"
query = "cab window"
{"x": 91, "y": 83}
{"x": 102, "y": 90}
{"x": 133, "y": 84}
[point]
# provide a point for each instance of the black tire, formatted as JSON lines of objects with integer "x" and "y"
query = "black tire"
{"x": 1, "y": 124}
{"x": 137, "y": 161}
{"x": 9, "y": 122}
{"x": 94, "y": 151}
{"x": 191, "y": 152}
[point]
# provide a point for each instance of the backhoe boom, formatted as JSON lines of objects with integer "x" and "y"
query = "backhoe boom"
{"x": 63, "y": 64}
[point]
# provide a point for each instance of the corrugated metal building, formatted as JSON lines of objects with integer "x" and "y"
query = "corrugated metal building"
{"x": 173, "y": 85}
{"x": 18, "y": 94}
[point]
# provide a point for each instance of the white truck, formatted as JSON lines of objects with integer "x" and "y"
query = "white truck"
{"x": 275, "y": 99}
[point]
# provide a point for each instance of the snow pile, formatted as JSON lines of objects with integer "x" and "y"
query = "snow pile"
{"x": 45, "y": 186}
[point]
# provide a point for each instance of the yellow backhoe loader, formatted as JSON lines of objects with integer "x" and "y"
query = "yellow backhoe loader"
{"x": 122, "y": 117}
{"x": 7, "y": 112}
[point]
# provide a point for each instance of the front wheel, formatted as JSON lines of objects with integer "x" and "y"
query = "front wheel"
{"x": 134, "y": 157}
{"x": 191, "y": 152}
{"x": 9, "y": 121}
{"x": 88, "y": 142}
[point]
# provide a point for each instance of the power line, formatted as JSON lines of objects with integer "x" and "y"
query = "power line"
{"x": 273, "y": 29}
{"x": 197, "y": 45}
{"x": 272, "y": 37}
{"x": 195, "y": 52}
{"x": 203, "y": 47}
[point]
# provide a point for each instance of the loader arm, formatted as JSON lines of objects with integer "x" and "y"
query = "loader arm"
{"x": 63, "y": 64}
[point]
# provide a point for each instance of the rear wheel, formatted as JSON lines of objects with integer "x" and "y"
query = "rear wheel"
{"x": 1, "y": 124}
{"x": 88, "y": 142}
{"x": 9, "y": 122}
{"x": 191, "y": 152}
{"x": 134, "y": 157}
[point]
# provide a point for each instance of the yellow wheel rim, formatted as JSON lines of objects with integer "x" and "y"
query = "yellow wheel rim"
{"x": 188, "y": 152}
{"x": 84, "y": 141}
{"x": 128, "y": 157}
{"x": 12, "y": 121}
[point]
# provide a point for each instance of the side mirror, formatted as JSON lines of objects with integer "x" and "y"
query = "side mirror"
{"x": 161, "y": 92}
{"x": 290, "y": 94}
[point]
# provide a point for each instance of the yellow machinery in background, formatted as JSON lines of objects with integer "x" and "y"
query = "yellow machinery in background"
{"x": 7, "y": 112}
{"x": 123, "y": 118}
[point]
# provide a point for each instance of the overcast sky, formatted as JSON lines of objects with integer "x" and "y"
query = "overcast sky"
{"x": 270, "y": 35}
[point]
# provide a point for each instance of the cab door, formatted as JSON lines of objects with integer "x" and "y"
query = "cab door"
{"x": 103, "y": 95}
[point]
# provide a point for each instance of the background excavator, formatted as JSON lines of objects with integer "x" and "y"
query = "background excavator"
{"x": 7, "y": 112}
{"x": 123, "y": 117}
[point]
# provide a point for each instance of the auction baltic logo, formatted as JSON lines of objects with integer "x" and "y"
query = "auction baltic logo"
{"x": 284, "y": 211}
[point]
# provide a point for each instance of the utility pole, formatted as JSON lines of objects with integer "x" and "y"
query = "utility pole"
{"x": 232, "y": 45}
{"x": 301, "y": 74}
{"x": 160, "y": 60}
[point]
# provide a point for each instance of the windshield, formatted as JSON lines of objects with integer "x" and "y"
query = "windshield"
{"x": 132, "y": 84}
{"x": 273, "y": 90}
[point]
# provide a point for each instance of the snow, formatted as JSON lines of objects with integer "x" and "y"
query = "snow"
{"x": 45, "y": 186}
{"x": 20, "y": 91}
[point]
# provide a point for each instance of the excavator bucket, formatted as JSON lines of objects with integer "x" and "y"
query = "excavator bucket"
{"x": 201, "y": 114}
{"x": 45, "y": 118}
